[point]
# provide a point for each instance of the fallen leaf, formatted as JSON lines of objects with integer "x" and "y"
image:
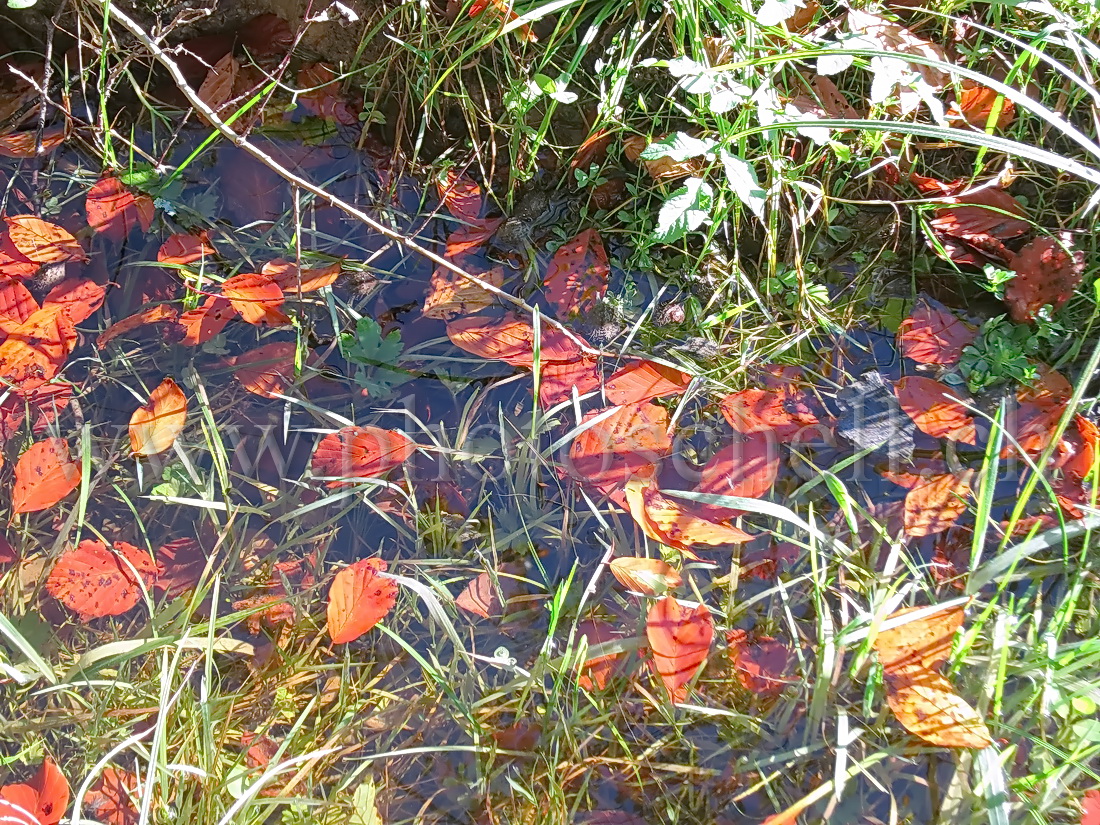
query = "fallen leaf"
{"x": 510, "y": 339}
{"x": 93, "y": 582}
{"x": 783, "y": 413}
{"x": 462, "y": 196}
{"x": 679, "y": 637}
{"x": 41, "y": 405}
{"x": 155, "y": 425}
{"x": 321, "y": 95}
{"x": 158, "y": 314}
{"x": 746, "y": 468}
{"x": 662, "y": 168}
{"x": 450, "y": 294}
{"x": 16, "y": 304}
{"x": 557, "y": 380}
{"x": 75, "y": 298}
{"x": 761, "y": 664}
{"x": 267, "y": 370}
{"x": 266, "y": 35}
{"x": 291, "y": 279}
{"x": 488, "y": 596}
{"x": 41, "y": 801}
{"x": 974, "y": 104}
{"x": 358, "y": 599}
{"x": 879, "y": 33}
{"x": 360, "y": 452}
{"x": 596, "y": 672}
{"x": 650, "y": 577}
{"x": 576, "y": 278}
{"x": 676, "y": 523}
{"x": 934, "y": 410}
{"x": 932, "y": 334}
{"x": 43, "y": 242}
{"x": 1090, "y": 808}
{"x": 114, "y": 211}
{"x": 976, "y": 220}
{"x": 44, "y": 474}
{"x": 936, "y": 504}
{"x": 34, "y": 351}
{"x": 465, "y": 239}
{"x": 1047, "y": 272}
{"x": 644, "y": 381}
{"x": 923, "y": 643}
{"x": 503, "y": 8}
{"x": 206, "y": 321}
{"x": 627, "y": 443}
{"x": 217, "y": 88}
{"x": 113, "y": 798}
{"x": 1081, "y": 462}
{"x": 184, "y": 249}
{"x": 180, "y": 565}
{"x": 827, "y": 101}
{"x": 13, "y": 263}
{"x": 25, "y": 144}
{"x": 256, "y": 297}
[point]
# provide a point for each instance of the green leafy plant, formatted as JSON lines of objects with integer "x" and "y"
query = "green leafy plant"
{"x": 375, "y": 357}
{"x": 1003, "y": 352}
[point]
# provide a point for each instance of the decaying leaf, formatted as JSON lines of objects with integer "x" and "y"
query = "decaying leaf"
{"x": 661, "y": 168}
{"x": 651, "y": 577}
{"x": 576, "y": 279}
{"x": 44, "y": 474}
{"x": 158, "y": 314}
{"x": 93, "y": 581}
{"x": 488, "y": 596}
{"x": 183, "y": 249}
{"x": 935, "y": 504}
{"x": 934, "y": 410}
{"x": 596, "y": 672}
{"x": 25, "y": 144}
{"x": 675, "y": 522}
{"x": 358, "y": 599}
{"x": 679, "y": 637}
{"x": 293, "y": 280}
{"x": 975, "y": 222}
{"x": 450, "y": 294}
{"x": 503, "y": 9}
{"x": 155, "y": 425}
{"x": 114, "y": 211}
{"x": 1047, "y": 272}
{"x": 782, "y": 413}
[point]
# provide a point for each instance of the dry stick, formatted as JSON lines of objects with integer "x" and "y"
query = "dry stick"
{"x": 239, "y": 140}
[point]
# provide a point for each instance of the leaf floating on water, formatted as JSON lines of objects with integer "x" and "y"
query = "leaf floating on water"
{"x": 43, "y": 242}
{"x": 360, "y": 452}
{"x": 25, "y": 144}
{"x": 16, "y": 304}
{"x": 935, "y": 504}
{"x": 488, "y": 596}
{"x": 511, "y": 339}
{"x": 292, "y": 280}
{"x": 155, "y": 426}
{"x": 206, "y": 321}
{"x": 746, "y": 468}
{"x": 34, "y": 351}
{"x": 450, "y": 294}
{"x": 679, "y": 637}
{"x": 557, "y": 380}
{"x": 114, "y": 211}
{"x": 934, "y": 410}
{"x": 75, "y": 298}
{"x": 462, "y": 197}
{"x": 762, "y": 664}
{"x": 44, "y": 475}
{"x": 932, "y": 334}
{"x": 256, "y": 297}
{"x": 675, "y": 522}
{"x": 651, "y": 577}
{"x": 596, "y": 672}
{"x": 159, "y": 314}
{"x": 358, "y": 599}
{"x": 977, "y": 220}
{"x": 576, "y": 278}
{"x": 183, "y": 249}
{"x": 93, "y": 582}
{"x": 783, "y": 413}
{"x": 1047, "y": 272}
{"x": 628, "y": 443}
{"x": 644, "y": 381}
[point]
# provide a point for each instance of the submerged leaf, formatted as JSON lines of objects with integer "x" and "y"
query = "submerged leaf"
{"x": 576, "y": 278}
{"x": 358, "y": 599}
{"x": 44, "y": 474}
{"x": 94, "y": 582}
{"x": 1047, "y": 272}
{"x": 932, "y": 334}
{"x": 680, "y": 638}
{"x": 360, "y": 452}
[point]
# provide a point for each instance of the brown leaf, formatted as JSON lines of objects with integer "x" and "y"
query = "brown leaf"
{"x": 679, "y": 637}
{"x": 217, "y": 88}
{"x": 596, "y": 672}
{"x": 450, "y": 294}
{"x": 360, "y": 452}
{"x": 1047, "y": 272}
{"x": 266, "y": 370}
{"x": 488, "y": 596}
{"x": 933, "y": 506}
{"x": 976, "y": 221}
{"x": 896, "y": 39}
{"x": 663, "y": 168}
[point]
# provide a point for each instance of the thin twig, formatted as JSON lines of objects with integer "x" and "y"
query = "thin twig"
{"x": 241, "y": 141}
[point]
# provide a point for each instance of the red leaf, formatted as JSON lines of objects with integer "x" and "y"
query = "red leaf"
{"x": 1046, "y": 273}
{"x": 75, "y": 298}
{"x": 93, "y": 582}
{"x": 293, "y": 280}
{"x": 358, "y": 599}
{"x": 557, "y": 380}
{"x": 25, "y": 144}
{"x": 762, "y": 665}
{"x": 462, "y": 197}
{"x": 975, "y": 104}
{"x": 42, "y": 404}
{"x": 933, "y": 335}
{"x": 257, "y": 297}
{"x": 784, "y": 412}
{"x": 115, "y": 211}
{"x": 931, "y": 406}
{"x": 180, "y": 250}
{"x": 42, "y": 801}
{"x": 1090, "y": 808}
{"x": 322, "y": 95}
{"x": 16, "y": 304}
{"x": 680, "y": 639}
{"x": 974, "y": 226}
{"x": 933, "y": 506}
{"x": 34, "y": 352}
{"x": 14, "y": 263}
{"x": 360, "y": 452}
{"x": 467, "y": 238}
{"x": 510, "y": 339}
{"x": 203, "y": 323}
{"x": 576, "y": 279}
{"x": 596, "y": 672}
{"x": 266, "y": 35}
{"x": 745, "y": 468}
{"x": 113, "y": 798}
{"x": 627, "y": 443}
{"x": 161, "y": 313}
{"x": 643, "y": 381}
{"x": 44, "y": 475}
{"x": 180, "y": 565}
{"x": 43, "y": 242}
{"x": 504, "y": 9}
{"x": 266, "y": 370}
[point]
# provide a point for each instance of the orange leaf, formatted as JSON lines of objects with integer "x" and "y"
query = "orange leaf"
{"x": 934, "y": 505}
{"x": 629, "y": 442}
{"x": 645, "y": 380}
{"x": 203, "y": 323}
{"x": 974, "y": 225}
{"x": 293, "y": 280}
{"x": 34, "y": 352}
{"x": 462, "y": 197}
{"x": 257, "y": 297}
{"x": 16, "y": 304}
{"x": 680, "y": 639}
{"x": 13, "y": 263}
{"x": 358, "y": 599}
{"x": 1047, "y": 272}
{"x": 42, "y": 405}
{"x": 557, "y": 380}
{"x": 360, "y": 452}
{"x": 757, "y": 411}
{"x": 115, "y": 211}
{"x": 180, "y": 250}
{"x": 42, "y": 801}
{"x": 488, "y": 596}
{"x": 504, "y": 9}
{"x": 467, "y": 238}
{"x": 44, "y": 475}
{"x": 217, "y": 87}
{"x": 180, "y": 565}
{"x": 266, "y": 370}
{"x": 576, "y": 279}
{"x": 933, "y": 335}
{"x": 113, "y": 798}
{"x": 25, "y": 144}
{"x": 762, "y": 665}
{"x": 923, "y": 643}
{"x": 93, "y": 582}
{"x": 161, "y": 313}
{"x": 75, "y": 298}
{"x": 43, "y": 242}
{"x": 651, "y": 577}
{"x": 975, "y": 103}
{"x": 673, "y": 523}
{"x": 745, "y": 468}
{"x": 450, "y": 294}
{"x": 510, "y": 339}
{"x": 155, "y": 426}
{"x": 662, "y": 168}
{"x": 933, "y": 409}
{"x": 596, "y": 672}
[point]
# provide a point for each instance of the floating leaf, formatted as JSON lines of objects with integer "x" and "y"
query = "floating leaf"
{"x": 94, "y": 582}
{"x": 41, "y": 801}
{"x": 450, "y": 294}
{"x": 43, "y": 242}
{"x": 180, "y": 250}
{"x": 114, "y": 211}
{"x": 266, "y": 370}
{"x": 628, "y": 442}
{"x": 576, "y": 278}
{"x": 256, "y": 297}
{"x": 206, "y": 321}
{"x": 645, "y": 380}
{"x": 462, "y": 196}
{"x": 487, "y": 595}
{"x": 217, "y": 88}
{"x": 676, "y": 523}
{"x": 75, "y": 298}
{"x": 934, "y": 505}
{"x": 745, "y": 468}
{"x": 679, "y": 637}
{"x": 934, "y": 410}
{"x": 651, "y": 577}
{"x": 180, "y": 565}
{"x": 358, "y": 599}
{"x": 596, "y": 672}
{"x": 761, "y": 664}
{"x": 557, "y": 380}
{"x": 158, "y": 314}
{"x": 292, "y": 280}
{"x": 44, "y": 475}
{"x": 155, "y": 425}
{"x": 40, "y": 405}
{"x": 25, "y": 144}
{"x": 1047, "y": 272}
{"x": 932, "y": 334}
{"x": 17, "y": 304}
{"x": 976, "y": 221}
{"x": 360, "y": 452}
{"x": 34, "y": 351}
{"x": 510, "y": 339}
{"x": 783, "y": 413}
{"x": 13, "y": 263}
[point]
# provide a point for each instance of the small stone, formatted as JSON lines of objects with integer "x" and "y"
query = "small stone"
{"x": 670, "y": 312}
